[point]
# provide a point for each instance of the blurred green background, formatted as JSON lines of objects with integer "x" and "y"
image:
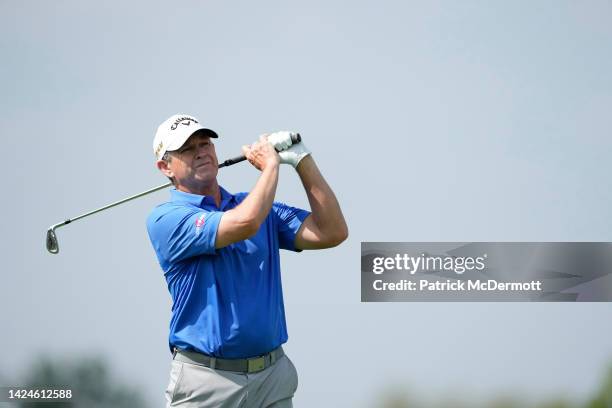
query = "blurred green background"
{"x": 94, "y": 385}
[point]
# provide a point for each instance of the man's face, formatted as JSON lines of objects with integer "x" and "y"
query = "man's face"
{"x": 195, "y": 164}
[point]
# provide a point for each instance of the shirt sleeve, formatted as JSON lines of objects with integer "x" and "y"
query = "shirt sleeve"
{"x": 181, "y": 233}
{"x": 289, "y": 221}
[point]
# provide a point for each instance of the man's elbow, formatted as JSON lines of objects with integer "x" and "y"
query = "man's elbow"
{"x": 249, "y": 228}
{"x": 337, "y": 236}
{"x": 236, "y": 226}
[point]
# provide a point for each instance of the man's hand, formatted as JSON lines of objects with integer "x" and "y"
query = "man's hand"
{"x": 261, "y": 154}
{"x": 294, "y": 154}
{"x": 289, "y": 154}
{"x": 281, "y": 140}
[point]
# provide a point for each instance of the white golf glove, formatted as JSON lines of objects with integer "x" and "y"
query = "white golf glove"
{"x": 289, "y": 154}
{"x": 280, "y": 140}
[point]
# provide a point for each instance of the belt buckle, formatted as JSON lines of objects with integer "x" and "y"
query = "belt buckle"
{"x": 256, "y": 364}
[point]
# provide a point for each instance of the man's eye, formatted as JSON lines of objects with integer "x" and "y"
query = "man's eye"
{"x": 186, "y": 149}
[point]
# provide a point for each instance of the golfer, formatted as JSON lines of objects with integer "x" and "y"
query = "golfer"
{"x": 220, "y": 255}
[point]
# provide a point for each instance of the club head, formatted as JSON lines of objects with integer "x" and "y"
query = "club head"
{"x": 52, "y": 244}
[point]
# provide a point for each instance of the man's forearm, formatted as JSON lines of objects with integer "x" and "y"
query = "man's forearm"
{"x": 244, "y": 220}
{"x": 326, "y": 212}
{"x": 256, "y": 206}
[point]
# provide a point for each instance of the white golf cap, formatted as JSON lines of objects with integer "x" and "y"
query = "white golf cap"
{"x": 175, "y": 131}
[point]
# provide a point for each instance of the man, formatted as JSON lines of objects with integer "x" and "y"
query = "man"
{"x": 220, "y": 256}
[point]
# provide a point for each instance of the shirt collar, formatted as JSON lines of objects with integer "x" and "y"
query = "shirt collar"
{"x": 201, "y": 201}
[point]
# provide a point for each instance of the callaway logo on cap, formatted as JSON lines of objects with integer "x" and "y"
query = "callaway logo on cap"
{"x": 175, "y": 131}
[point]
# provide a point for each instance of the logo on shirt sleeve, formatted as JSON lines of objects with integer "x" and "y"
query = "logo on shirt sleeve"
{"x": 199, "y": 224}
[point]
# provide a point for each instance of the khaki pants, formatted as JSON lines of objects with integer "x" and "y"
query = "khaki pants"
{"x": 197, "y": 386}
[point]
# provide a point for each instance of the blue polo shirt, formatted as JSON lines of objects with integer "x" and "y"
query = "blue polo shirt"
{"x": 227, "y": 302}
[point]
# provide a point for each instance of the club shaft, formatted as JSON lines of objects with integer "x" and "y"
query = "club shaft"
{"x": 125, "y": 200}
{"x": 295, "y": 139}
{"x": 228, "y": 162}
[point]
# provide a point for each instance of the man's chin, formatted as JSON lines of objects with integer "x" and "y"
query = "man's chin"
{"x": 206, "y": 176}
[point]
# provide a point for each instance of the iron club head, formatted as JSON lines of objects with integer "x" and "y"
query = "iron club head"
{"x": 52, "y": 244}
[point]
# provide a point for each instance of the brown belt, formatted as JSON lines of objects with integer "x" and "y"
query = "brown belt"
{"x": 241, "y": 365}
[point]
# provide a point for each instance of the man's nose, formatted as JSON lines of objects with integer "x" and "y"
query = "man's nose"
{"x": 200, "y": 151}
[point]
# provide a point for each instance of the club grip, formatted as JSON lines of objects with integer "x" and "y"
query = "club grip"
{"x": 296, "y": 138}
{"x": 233, "y": 160}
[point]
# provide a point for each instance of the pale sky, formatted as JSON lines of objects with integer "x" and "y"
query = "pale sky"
{"x": 432, "y": 121}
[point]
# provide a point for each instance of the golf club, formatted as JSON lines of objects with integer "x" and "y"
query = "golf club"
{"x": 52, "y": 243}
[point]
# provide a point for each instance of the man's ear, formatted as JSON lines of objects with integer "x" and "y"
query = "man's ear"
{"x": 164, "y": 167}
